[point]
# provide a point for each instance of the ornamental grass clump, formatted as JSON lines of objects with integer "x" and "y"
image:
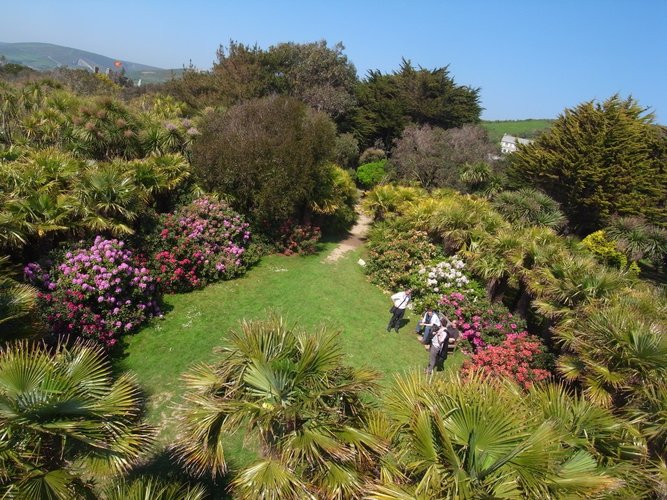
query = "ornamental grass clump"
{"x": 200, "y": 243}
{"x": 98, "y": 293}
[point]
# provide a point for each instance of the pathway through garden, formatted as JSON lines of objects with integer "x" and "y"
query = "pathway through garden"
{"x": 356, "y": 238}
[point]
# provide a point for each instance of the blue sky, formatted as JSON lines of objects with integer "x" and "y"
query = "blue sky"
{"x": 531, "y": 59}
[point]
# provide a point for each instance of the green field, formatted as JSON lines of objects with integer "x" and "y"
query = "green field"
{"x": 518, "y": 128}
{"x": 304, "y": 290}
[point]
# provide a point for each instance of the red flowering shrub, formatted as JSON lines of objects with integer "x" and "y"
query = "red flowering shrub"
{"x": 202, "y": 242}
{"x": 298, "y": 239}
{"x": 520, "y": 356}
{"x": 99, "y": 293}
{"x": 480, "y": 322}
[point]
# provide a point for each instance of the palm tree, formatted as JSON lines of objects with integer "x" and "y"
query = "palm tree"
{"x": 62, "y": 418}
{"x": 292, "y": 392}
{"x": 638, "y": 239}
{"x": 458, "y": 438}
{"x": 108, "y": 198}
{"x": 16, "y": 299}
{"x": 388, "y": 199}
{"x": 152, "y": 489}
{"x": 529, "y": 207}
{"x": 615, "y": 349}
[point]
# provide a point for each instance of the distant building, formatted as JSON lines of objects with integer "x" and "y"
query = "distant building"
{"x": 508, "y": 143}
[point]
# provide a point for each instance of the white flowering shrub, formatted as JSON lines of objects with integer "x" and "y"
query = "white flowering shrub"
{"x": 445, "y": 276}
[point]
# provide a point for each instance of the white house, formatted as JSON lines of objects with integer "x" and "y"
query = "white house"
{"x": 508, "y": 143}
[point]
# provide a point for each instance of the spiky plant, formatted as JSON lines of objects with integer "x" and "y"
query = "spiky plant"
{"x": 455, "y": 438}
{"x": 145, "y": 488}
{"x": 64, "y": 420}
{"x": 291, "y": 391}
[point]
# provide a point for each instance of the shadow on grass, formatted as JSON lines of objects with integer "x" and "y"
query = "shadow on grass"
{"x": 164, "y": 467}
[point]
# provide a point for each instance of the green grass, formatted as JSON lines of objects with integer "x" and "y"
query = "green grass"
{"x": 518, "y": 128}
{"x": 305, "y": 290}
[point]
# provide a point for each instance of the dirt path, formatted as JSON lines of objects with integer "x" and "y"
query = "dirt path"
{"x": 356, "y": 237}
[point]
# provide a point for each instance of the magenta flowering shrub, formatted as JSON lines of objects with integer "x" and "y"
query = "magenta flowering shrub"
{"x": 98, "y": 293}
{"x": 202, "y": 242}
{"x": 480, "y": 322}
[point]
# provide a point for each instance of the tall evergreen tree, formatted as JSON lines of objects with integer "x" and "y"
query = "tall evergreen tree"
{"x": 597, "y": 160}
{"x": 387, "y": 103}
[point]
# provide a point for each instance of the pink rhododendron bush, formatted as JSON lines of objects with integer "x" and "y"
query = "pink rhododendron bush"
{"x": 480, "y": 322}
{"x": 100, "y": 292}
{"x": 200, "y": 243}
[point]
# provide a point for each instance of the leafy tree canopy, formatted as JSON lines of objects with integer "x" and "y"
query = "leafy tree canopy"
{"x": 319, "y": 75}
{"x": 433, "y": 156}
{"x": 268, "y": 154}
{"x": 388, "y": 102}
{"x": 600, "y": 159}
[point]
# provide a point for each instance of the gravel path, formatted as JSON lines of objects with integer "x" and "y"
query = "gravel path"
{"x": 356, "y": 238}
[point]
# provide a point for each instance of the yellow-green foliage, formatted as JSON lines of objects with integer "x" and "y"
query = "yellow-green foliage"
{"x": 605, "y": 250}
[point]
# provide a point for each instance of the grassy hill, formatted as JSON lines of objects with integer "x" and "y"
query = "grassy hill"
{"x": 46, "y": 56}
{"x": 518, "y": 128}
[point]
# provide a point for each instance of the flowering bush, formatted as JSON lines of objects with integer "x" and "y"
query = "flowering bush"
{"x": 393, "y": 256}
{"x": 299, "y": 239}
{"x": 97, "y": 293}
{"x": 201, "y": 242}
{"x": 444, "y": 277}
{"x": 480, "y": 322}
{"x": 520, "y": 356}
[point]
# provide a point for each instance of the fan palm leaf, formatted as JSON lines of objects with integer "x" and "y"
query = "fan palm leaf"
{"x": 61, "y": 413}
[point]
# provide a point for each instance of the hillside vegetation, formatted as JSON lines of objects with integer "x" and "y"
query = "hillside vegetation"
{"x": 518, "y": 128}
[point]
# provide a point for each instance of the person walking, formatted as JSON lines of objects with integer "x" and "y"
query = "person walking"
{"x": 401, "y": 301}
{"x": 429, "y": 323}
{"x": 438, "y": 347}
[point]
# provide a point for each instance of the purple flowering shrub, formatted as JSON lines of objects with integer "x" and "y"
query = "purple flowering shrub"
{"x": 480, "y": 322}
{"x": 98, "y": 293}
{"x": 202, "y": 242}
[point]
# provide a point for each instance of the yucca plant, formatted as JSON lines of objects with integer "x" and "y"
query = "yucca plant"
{"x": 64, "y": 420}
{"x": 292, "y": 393}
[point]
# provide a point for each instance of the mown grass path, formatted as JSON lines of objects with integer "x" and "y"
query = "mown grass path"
{"x": 306, "y": 290}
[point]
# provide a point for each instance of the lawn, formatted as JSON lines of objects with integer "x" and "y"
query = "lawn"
{"x": 517, "y": 128}
{"x": 304, "y": 290}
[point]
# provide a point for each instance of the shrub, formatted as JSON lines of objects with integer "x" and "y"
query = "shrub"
{"x": 298, "y": 239}
{"x": 605, "y": 250}
{"x": 370, "y": 175}
{"x": 371, "y": 155}
{"x": 393, "y": 255}
{"x": 98, "y": 293}
{"x": 441, "y": 278}
{"x": 202, "y": 242}
{"x": 270, "y": 154}
{"x": 480, "y": 322}
{"x": 520, "y": 356}
{"x": 334, "y": 200}
{"x": 346, "y": 151}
